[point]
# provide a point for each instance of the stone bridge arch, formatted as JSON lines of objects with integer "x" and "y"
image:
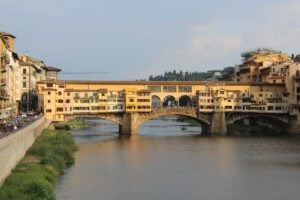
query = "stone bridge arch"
{"x": 132, "y": 121}
{"x": 115, "y": 118}
{"x": 283, "y": 118}
{"x": 190, "y": 113}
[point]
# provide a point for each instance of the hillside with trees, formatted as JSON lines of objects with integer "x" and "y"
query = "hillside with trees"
{"x": 225, "y": 74}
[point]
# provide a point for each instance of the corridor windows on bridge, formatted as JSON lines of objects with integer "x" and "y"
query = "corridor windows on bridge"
{"x": 185, "y": 89}
{"x": 169, "y": 89}
{"x": 154, "y": 88}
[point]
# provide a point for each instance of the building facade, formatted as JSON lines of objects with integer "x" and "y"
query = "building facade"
{"x": 62, "y": 99}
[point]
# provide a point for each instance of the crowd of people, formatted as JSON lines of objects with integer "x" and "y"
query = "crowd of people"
{"x": 15, "y": 122}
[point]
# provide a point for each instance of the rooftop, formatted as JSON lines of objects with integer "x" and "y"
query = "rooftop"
{"x": 7, "y": 34}
{"x": 49, "y": 68}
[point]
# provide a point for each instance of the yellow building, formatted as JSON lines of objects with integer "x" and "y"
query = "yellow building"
{"x": 62, "y": 99}
{"x": 10, "y": 75}
{"x": 261, "y": 65}
{"x": 257, "y": 98}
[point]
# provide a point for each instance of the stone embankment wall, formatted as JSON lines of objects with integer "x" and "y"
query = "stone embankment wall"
{"x": 13, "y": 147}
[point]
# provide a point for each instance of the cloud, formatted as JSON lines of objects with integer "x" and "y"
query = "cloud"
{"x": 207, "y": 44}
{"x": 287, "y": 7}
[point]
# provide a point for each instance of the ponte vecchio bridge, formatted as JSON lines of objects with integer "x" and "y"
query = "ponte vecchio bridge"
{"x": 131, "y": 103}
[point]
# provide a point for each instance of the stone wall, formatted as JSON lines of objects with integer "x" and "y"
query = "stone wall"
{"x": 14, "y": 146}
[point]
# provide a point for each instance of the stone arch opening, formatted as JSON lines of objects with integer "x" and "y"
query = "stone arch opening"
{"x": 185, "y": 101}
{"x": 116, "y": 121}
{"x": 155, "y": 102}
{"x": 202, "y": 122}
{"x": 258, "y": 124}
{"x": 170, "y": 101}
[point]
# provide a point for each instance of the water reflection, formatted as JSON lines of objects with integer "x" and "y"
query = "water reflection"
{"x": 165, "y": 162}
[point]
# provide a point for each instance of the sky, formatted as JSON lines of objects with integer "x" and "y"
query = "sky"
{"x": 132, "y": 39}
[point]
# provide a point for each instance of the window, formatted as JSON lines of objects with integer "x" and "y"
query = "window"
{"x": 49, "y": 93}
{"x": 59, "y": 93}
{"x": 154, "y": 88}
{"x": 185, "y": 88}
{"x": 49, "y": 101}
{"x": 48, "y": 110}
{"x": 24, "y": 85}
{"x": 68, "y": 93}
{"x": 50, "y": 85}
{"x": 24, "y": 71}
{"x": 169, "y": 88}
{"x": 60, "y": 101}
{"x": 68, "y": 101}
{"x": 59, "y": 109}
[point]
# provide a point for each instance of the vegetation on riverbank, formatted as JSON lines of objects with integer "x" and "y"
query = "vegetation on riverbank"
{"x": 72, "y": 124}
{"x": 239, "y": 128}
{"x": 188, "y": 120}
{"x": 34, "y": 177}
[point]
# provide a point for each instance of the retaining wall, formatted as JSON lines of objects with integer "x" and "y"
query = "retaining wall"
{"x": 13, "y": 147}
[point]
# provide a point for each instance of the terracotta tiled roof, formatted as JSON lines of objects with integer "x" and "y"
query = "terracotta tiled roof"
{"x": 144, "y": 91}
{"x": 7, "y": 34}
{"x": 49, "y": 68}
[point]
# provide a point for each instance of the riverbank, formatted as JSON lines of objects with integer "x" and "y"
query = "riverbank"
{"x": 191, "y": 121}
{"x": 72, "y": 124}
{"x": 34, "y": 177}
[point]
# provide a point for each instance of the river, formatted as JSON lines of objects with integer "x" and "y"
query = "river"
{"x": 167, "y": 163}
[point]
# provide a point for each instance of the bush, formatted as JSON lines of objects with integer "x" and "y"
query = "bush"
{"x": 34, "y": 177}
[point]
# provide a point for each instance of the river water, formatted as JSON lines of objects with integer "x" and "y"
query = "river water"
{"x": 167, "y": 163}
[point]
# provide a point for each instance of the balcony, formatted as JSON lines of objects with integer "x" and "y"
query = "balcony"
{"x": 3, "y": 81}
{"x": 3, "y": 69}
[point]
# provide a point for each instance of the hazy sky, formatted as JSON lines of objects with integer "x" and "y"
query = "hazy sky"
{"x": 131, "y": 39}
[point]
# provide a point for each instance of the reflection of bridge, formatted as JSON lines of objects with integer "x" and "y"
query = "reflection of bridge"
{"x": 215, "y": 123}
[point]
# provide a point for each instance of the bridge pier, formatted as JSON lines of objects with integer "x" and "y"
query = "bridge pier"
{"x": 218, "y": 123}
{"x": 130, "y": 124}
{"x": 294, "y": 125}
